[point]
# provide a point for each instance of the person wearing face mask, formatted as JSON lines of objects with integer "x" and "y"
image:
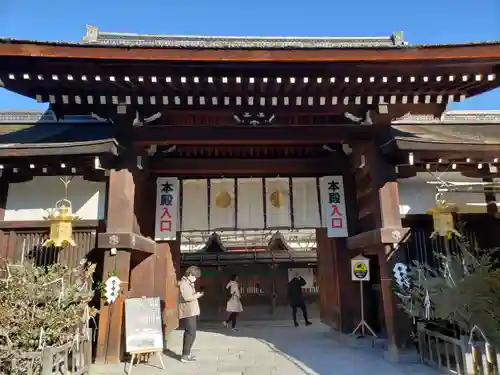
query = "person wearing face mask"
{"x": 189, "y": 310}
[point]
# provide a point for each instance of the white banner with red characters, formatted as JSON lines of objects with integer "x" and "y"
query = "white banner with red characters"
{"x": 167, "y": 208}
{"x": 333, "y": 209}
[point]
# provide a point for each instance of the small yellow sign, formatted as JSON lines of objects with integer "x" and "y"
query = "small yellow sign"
{"x": 360, "y": 269}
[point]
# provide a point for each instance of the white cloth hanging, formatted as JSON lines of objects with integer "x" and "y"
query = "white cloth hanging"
{"x": 427, "y": 305}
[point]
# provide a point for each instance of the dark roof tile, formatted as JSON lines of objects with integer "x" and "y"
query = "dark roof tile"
{"x": 444, "y": 133}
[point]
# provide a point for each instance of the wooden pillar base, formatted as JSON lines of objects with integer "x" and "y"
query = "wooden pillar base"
{"x": 398, "y": 324}
{"x": 110, "y": 334}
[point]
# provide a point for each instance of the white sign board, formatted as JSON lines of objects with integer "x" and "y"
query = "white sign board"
{"x": 143, "y": 325}
{"x": 360, "y": 268}
{"x": 167, "y": 208}
{"x": 333, "y": 206}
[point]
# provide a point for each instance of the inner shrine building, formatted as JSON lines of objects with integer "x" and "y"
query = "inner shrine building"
{"x": 260, "y": 156}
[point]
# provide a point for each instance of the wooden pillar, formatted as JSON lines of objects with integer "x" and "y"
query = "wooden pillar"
{"x": 273, "y": 288}
{"x": 4, "y": 192}
{"x": 328, "y": 299}
{"x": 175, "y": 250}
{"x": 120, "y": 219}
{"x": 387, "y": 217}
{"x": 490, "y": 225}
{"x": 131, "y": 213}
{"x": 165, "y": 286}
{"x": 144, "y": 267}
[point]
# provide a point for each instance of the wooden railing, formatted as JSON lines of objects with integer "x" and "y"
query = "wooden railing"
{"x": 420, "y": 247}
{"x": 20, "y": 241}
{"x": 457, "y": 356}
{"x": 73, "y": 358}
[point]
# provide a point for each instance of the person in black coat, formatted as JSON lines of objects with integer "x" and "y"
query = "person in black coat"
{"x": 296, "y": 299}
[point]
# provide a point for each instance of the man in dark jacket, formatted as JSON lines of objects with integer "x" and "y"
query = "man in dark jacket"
{"x": 296, "y": 299}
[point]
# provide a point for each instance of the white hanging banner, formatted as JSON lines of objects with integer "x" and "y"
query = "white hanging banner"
{"x": 167, "y": 208}
{"x": 333, "y": 206}
{"x": 278, "y": 203}
{"x": 222, "y": 204}
{"x": 305, "y": 203}
{"x": 250, "y": 204}
{"x": 194, "y": 207}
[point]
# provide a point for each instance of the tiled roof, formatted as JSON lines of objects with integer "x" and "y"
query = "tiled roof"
{"x": 449, "y": 133}
{"x": 453, "y": 117}
{"x": 95, "y": 36}
{"x": 41, "y": 116}
{"x": 37, "y": 132}
{"x": 459, "y": 127}
{"x": 55, "y": 133}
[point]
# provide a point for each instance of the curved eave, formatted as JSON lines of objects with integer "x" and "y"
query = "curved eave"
{"x": 464, "y": 52}
{"x": 418, "y": 145}
{"x": 105, "y": 146}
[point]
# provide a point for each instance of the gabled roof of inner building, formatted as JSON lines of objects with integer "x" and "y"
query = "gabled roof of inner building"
{"x": 34, "y": 133}
{"x": 29, "y": 133}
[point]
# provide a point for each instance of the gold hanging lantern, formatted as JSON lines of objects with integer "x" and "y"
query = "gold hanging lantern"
{"x": 61, "y": 225}
{"x": 61, "y": 220}
{"x": 442, "y": 219}
{"x": 277, "y": 198}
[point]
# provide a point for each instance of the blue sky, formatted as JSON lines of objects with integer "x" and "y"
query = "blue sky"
{"x": 423, "y": 21}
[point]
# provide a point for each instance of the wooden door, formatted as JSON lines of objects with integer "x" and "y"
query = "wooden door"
{"x": 328, "y": 287}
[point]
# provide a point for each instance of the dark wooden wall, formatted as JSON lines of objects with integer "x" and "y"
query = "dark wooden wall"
{"x": 263, "y": 288}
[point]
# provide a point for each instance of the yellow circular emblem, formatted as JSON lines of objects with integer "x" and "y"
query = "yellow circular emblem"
{"x": 277, "y": 198}
{"x": 360, "y": 270}
{"x": 223, "y": 199}
{"x": 360, "y": 267}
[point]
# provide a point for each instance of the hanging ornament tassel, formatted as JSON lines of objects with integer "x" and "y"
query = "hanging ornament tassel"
{"x": 447, "y": 274}
{"x": 76, "y": 340}
{"x": 61, "y": 294}
{"x": 466, "y": 269}
{"x": 427, "y": 305}
{"x": 41, "y": 339}
{"x": 87, "y": 322}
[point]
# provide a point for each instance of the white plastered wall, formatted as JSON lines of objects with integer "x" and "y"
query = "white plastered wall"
{"x": 418, "y": 194}
{"x": 27, "y": 201}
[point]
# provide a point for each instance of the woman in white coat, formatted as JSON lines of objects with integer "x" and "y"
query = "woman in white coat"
{"x": 234, "y": 306}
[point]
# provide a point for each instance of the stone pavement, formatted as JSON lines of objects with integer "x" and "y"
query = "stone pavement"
{"x": 274, "y": 349}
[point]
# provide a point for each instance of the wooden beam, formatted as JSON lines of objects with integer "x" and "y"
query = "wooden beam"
{"x": 371, "y": 241}
{"x": 232, "y": 69}
{"x": 128, "y": 240}
{"x": 241, "y": 167}
{"x": 250, "y": 135}
{"x": 469, "y": 52}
